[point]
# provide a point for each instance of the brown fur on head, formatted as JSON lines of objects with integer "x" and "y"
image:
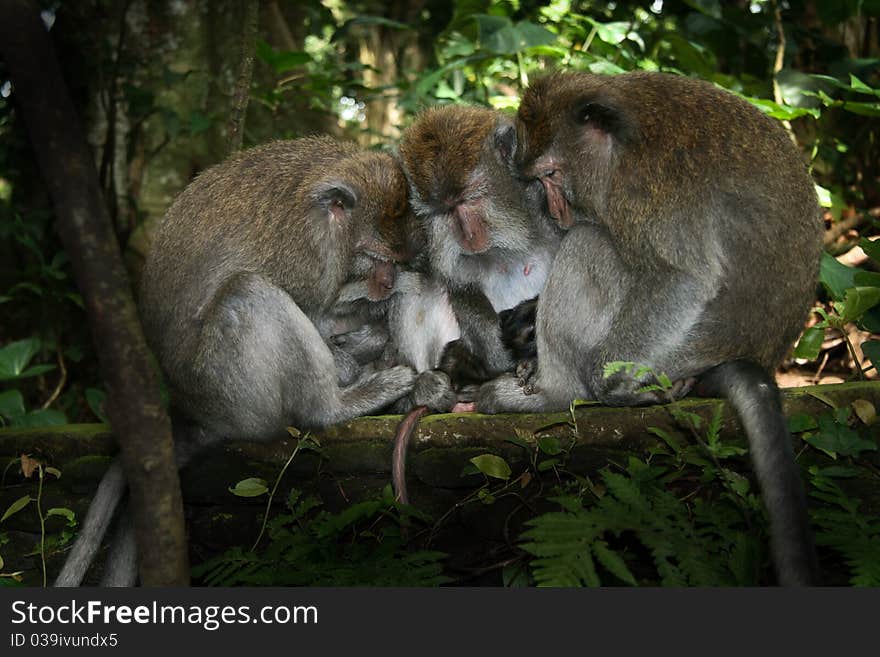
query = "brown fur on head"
{"x": 442, "y": 147}
{"x": 466, "y": 201}
{"x": 627, "y": 146}
{"x": 312, "y": 213}
{"x": 682, "y": 175}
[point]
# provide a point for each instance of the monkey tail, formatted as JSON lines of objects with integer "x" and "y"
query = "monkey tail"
{"x": 98, "y": 518}
{"x": 398, "y": 456}
{"x": 755, "y": 397}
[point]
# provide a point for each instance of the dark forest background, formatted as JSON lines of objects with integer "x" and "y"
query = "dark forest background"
{"x": 153, "y": 82}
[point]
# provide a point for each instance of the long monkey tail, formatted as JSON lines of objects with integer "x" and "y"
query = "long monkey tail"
{"x": 398, "y": 456}
{"x": 110, "y": 492}
{"x": 755, "y": 397}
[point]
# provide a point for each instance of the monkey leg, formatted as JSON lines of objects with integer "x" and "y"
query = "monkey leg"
{"x": 600, "y": 309}
{"x": 262, "y": 365}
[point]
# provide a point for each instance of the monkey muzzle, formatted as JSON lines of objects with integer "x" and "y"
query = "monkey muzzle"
{"x": 558, "y": 206}
{"x": 549, "y": 173}
{"x": 472, "y": 233}
{"x": 381, "y": 281}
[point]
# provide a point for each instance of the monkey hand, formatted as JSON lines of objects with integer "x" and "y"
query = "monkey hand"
{"x": 525, "y": 374}
{"x": 434, "y": 390}
{"x": 623, "y": 390}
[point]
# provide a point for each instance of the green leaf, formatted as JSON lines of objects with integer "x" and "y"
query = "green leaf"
{"x": 35, "y": 370}
{"x": 611, "y": 33}
{"x": 11, "y": 404}
{"x": 519, "y": 442}
{"x": 15, "y": 356}
{"x": 16, "y": 506}
{"x": 859, "y": 86}
{"x": 866, "y": 279}
{"x": 492, "y": 466}
{"x": 865, "y": 411}
{"x": 674, "y": 441}
{"x": 836, "y": 277}
{"x": 281, "y": 61}
{"x": 547, "y": 464}
{"x": 800, "y": 422}
{"x": 810, "y": 343}
{"x": 871, "y": 349}
{"x": 859, "y": 299}
{"x": 549, "y": 445}
{"x": 862, "y": 109}
{"x": 55, "y": 472}
{"x": 44, "y": 417}
{"x": 838, "y": 471}
{"x": 835, "y": 438}
{"x": 781, "y": 112}
{"x": 871, "y": 248}
{"x": 64, "y": 513}
{"x": 532, "y": 35}
{"x": 251, "y": 487}
{"x": 612, "y": 562}
{"x": 616, "y": 366}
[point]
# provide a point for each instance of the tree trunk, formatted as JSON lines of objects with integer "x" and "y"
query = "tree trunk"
{"x": 139, "y": 421}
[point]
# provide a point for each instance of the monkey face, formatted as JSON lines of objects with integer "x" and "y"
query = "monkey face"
{"x": 573, "y": 132}
{"x": 461, "y": 189}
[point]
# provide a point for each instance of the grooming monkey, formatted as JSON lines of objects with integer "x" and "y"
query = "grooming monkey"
{"x": 693, "y": 247}
{"x": 479, "y": 237}
{"x": 480, "y": 249}
{"x": 257, "y": 263}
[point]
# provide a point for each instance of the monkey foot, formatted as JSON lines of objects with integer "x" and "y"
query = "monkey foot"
{"x": 525, "y": 371}
{"x": 464, "y": 407}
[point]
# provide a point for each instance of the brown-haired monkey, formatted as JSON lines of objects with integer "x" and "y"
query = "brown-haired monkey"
{"x": 257, "y": 263}
{"x": 693, "y": 248}
{"x": 480, "y": 240}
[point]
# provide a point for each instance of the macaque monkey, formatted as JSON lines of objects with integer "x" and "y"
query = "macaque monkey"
{"x": 480, "y": 239}
{"x": 258, "y": 262}
{"x": 692, "y": 248}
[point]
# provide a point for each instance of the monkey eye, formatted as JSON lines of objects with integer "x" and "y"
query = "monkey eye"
{"x": 337, "y": 209}
{"x": 585, "y": 112}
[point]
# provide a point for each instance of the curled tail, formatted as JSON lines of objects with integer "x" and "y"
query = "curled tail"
{"x": 100, "y": 514}
{"x": 756, "y": 400}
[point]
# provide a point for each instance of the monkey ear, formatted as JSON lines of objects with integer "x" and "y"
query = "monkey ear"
{"x": 604, "y": 117}
{"x": 335, "y": 196}
{"x": 504, "y": 141}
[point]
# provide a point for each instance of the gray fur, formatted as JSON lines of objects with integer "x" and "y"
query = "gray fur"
{"x": 695, "y": 244}
{"x": 100, "y": 513}
{"x": 255, "y": 259}
{"x": 460, "y": 156}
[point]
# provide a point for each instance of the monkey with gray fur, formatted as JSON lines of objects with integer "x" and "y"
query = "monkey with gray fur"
{"x": 256, "y": 264}
{"x": 481, "y": 251}
{"x": 693, "y": 247}
{"x": 479, "y": 238}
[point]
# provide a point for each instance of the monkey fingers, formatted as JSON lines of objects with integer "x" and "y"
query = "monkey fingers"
{"x": 525, "y": 372}
{"x": 681, "y": 388}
